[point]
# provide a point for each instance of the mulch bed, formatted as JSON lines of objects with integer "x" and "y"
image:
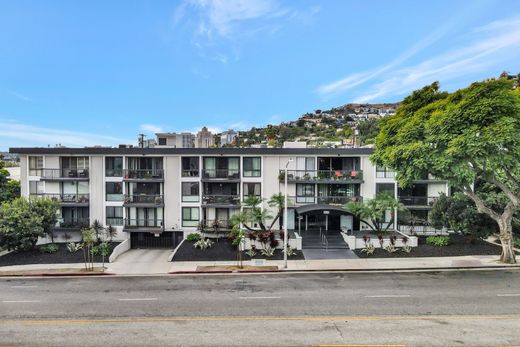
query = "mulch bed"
{"x": 458, "y": 246}
{"x": 222, "y": 250}
{"x": 62, "y": 256}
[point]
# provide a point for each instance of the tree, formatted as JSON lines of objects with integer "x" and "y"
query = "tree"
{"x": 111, "y": 232}
{"x": 459, "y": 137}
{"x": 47, "y": 209}
{"x": 277, "y": 201}
{"x": 20, "y": 226}
{"x": 9, "y": 189}
{"x": 368, "y": 130}
{"x": 89, "y": 238}
{"x": 97, "y": 227}
{"x": 373, "y": 211}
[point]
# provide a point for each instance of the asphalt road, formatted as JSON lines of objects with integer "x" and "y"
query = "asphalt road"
{"x": 476, "y": 308}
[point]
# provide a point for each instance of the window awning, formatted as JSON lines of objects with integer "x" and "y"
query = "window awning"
{"x": 321, "y": 208}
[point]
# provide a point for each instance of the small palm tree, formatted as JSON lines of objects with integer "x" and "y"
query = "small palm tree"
{"x": 97, "y": 227}
{"x": 278, "y": 201}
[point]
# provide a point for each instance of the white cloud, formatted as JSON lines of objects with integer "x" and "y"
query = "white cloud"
{"x": 150, "y": 128}
{"x": 19, "y": 96}
{"x": 16, "y": 134}
{"x": 490, "y": 45}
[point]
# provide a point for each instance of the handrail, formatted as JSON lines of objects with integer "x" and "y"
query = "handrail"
{"x": 78, "y": 198}
{"x": 143, "y": 199}
{"x": 325, "y": 175}
{"x": 143, "y": 174}
{"x": 221, "y": 173}
{"x": 61, "y": 173}
{"x": 136, "y": 223}
{"x": 221, "y": 199}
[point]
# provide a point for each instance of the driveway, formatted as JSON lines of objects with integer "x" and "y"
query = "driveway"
{"x": 142, "y": 261}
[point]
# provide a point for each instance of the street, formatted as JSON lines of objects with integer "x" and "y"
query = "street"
{"x": 438, "y": 308}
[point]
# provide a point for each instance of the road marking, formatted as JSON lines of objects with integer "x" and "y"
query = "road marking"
{"x": 260, "y": 297}
{"x": 249, "y": 318}
{"x": 18, "y": 301}
{"x": 508, "y": 294}
{"x": 387, "y": 296}
{"x": 138, "y": 299}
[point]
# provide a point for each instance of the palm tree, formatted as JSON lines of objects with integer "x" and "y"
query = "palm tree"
{"x": 97, "y": 227}
{"x": 278, "y": 201}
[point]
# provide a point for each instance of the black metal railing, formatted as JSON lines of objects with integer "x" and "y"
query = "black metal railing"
{"x": 212, "y": 225}
{"x": 143, "y": 223}
{"x": 221, "y": 174}
{"x": 113, "y": 172}
{"x": 62, "y": 173}
{"x": 325, "y": 200}
{"x": 221, "y": 199}
{"x": 115, "y": 221}
{"x": 190, "y": 173}
{"x": 143, "y": 174}
{"x": 76, "y": 223}
{"x": 417, "y": 200}
{"x": 321, "y": 175}
{"x": 144, "y": 199}
{"x": 65, "y": 198}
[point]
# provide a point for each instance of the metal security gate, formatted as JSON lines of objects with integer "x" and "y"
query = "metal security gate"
{"x": 165, "y": 240}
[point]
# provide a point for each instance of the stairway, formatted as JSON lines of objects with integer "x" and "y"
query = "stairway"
{"x": 313, "y": 240}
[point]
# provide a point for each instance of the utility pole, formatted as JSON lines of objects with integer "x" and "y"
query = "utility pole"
{"x": 141, "y": 140}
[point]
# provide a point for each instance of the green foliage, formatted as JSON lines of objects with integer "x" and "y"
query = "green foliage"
{"x": 369, "y": 248}
{"x": 22, "y": 221}
{"x": 47, "y": 209}
{"x": 438, "y": 240}
{"x": 193, "y": 237}
{"x": 97, "y": 227}
{"x": 9, "y": 189}
{"x": 372, "y": 212}
{"x": 49, "y": 248}
{"x": 203, "y": 244}
{"x": 73, "y": 247}
{"x": 368, "y": 130}
{"x": 111, "y": 232}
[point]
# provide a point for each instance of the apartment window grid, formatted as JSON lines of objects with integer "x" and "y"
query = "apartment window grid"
{"x": 113, "y": 166}
{"x": 114, "y": 191}
{"x": 114, "y": 215}
{"x": 384, "y": 172}
{"x": 36, "y": 187}
{"x": 252, "y": 167}
{"x": 190, "y": 216}
{"x": 305, "y": 193}
{"x": 252, "y": 189}
{"x": 190, "y": 191}
{"x": 35, "y": 165}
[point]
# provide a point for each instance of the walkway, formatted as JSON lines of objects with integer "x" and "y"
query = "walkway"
{"x": 142, "y": 261}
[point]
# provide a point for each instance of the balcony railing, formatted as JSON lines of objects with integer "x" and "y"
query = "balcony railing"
{"x": 144, "y": 199}
{"x": 190, "y": 173}
{"x": 211, "y": 225}
{"x": 221, "y": 199}
{"x": 143, "y": 174}
{"x": 114, "y": 221}
{"x": 221, "y": 174}
{"x": 62, "y": 173}
{"x": 65, "y": 198}
{"x": 114, "y": 172}
{"x": 143, "y": 223}
{"x": 321, "y": 175}
{"x": 417, "y": 200}
{"x": 324, "y": 200}
{"x": 77, "y": 223}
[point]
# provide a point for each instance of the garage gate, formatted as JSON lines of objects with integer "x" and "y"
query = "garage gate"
{"x": 165, "y": 239}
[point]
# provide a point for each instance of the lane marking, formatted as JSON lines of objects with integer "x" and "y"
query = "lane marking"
{"x": 246, "y": 318}
{"x": 260, "y": 297}
{"x": 508, "y": 294}
{"x": 387, "y": 296}
{"x": 19, "y": 301}
{"x": 138, "y": 299}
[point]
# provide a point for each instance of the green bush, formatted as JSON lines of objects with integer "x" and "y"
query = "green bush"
{"x": 438, "y": 240}
{"x": 517, "y": 242}
{"x": 193, "y": 237}
{"x": 49, "y": 248}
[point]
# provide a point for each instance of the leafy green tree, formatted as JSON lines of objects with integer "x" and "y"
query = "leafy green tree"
{"x": 368, "y": 130}
{"x": 98, "y": 228}
{"x": 20, "y": 226}
{"x": 9, "y": 189}
{"x": 373, "y": 212}
{"x": 47, "y": 209}
{"x": 459, "y": 137}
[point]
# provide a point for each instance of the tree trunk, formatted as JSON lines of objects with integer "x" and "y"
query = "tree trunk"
{"x": 506, "y": 239}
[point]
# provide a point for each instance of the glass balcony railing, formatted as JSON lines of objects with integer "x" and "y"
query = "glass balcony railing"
{"x": 61, "y": 173}
{"x": 190, "y": 173}
{"x": 221, "y": 199}
{"x": 321, "y": 175}
{"x": 143, "y": 223}
{"x": 221, "y": 174}
{"x": 144, "y": 199}
{"x": 324, "y": 200}
{"x": 76, "y": 223}
{"x": 417, "y": 200}
{"x": 143, "y": 174}
{"x": 214, "y": 225}
{"x": 65, "y": 198}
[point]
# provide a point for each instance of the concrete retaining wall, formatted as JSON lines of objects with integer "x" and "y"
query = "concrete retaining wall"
{"x": 358, "y": 242}
{"x": 119, "y": 249}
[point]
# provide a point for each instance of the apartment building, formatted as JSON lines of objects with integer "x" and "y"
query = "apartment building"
{"x": 157, "y": 196}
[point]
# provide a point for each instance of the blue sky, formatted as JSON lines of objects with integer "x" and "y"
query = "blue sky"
{"x": 99, "y": 72}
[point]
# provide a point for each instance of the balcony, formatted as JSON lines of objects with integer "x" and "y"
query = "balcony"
{"x": 152, "y": 175}
{"x": 220, "y": 200}
{"x": 215, "y": 225}
{"x": 143, "y": 200}
{"x": 323, "y": 200}
{"x": 143, "y": 225}
{"x": 417, "y": 201}
{"x": 322, "y": 176}
{"x": 190, "y": 173}
{"x": 221, "y": 174}
{"x": 72, "y": 224}
{"x": 63, "y": 174}
{"x": 66, "y": 199}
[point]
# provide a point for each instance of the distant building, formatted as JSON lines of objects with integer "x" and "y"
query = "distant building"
{"x": 204, "y": 139}
{"x": 175, "y": 140}
{"x": 228, "y": 137}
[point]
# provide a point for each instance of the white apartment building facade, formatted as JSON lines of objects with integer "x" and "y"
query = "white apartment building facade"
{"x": 157, "y": 196}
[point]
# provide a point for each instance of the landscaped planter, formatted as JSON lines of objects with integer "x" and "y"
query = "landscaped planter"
{"x": 357, "y": 242}
{"x": 295, "y": 242}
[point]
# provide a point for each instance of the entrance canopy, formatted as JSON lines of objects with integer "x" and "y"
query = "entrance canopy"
{"x": 334, "y": 210}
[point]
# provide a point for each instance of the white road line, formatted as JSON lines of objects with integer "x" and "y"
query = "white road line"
{"x": 138, "y": 299}
{"x": 18, "y": 301}
{"x": 387, "y": 296}
{"x": 260, "y": 297}
{"x": 508, "y": 294}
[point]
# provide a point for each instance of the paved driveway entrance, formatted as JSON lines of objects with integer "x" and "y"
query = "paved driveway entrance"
{"x": 142, "y": 261}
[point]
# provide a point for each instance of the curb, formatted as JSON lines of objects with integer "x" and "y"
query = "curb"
{"x": 50, "y": 274}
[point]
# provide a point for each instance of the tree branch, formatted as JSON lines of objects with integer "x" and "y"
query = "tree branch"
{"x": 481, "y": 207}
{"x": 512, "y": 196}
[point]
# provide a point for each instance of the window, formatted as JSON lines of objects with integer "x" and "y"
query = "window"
{"x": 304, "y": 166}
{"x": 305, "y": 193}
{"x": 114, "y": 215}
{"x": 114, "y": 166}
{"x": 190, "y": 191}
{"x": 162, "y": 141}
{"x": 35, "y": 187}
{"x": 388, "y": 188}
{"x": 384, "y": 172}
{"x": 190, "y": 166}
{"x": 252, "y": 167}
{"x": 252, "y": 189}
{"x": 35, "y": 165}
{"x": 114, "y": 191}
{"x": 190, "y": 216}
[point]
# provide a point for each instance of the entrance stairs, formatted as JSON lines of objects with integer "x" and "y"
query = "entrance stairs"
{"x": 311, "y": 239}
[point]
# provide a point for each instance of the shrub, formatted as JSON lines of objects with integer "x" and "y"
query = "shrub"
{"x": 369, "y": 248}
{"x": 290, "y": 251}
{"x": 438, "y": 240}
{"x": 193, "y": 237}
{"x": 74, "y": 247}
{"x": 252, "y": 252}
{"x": 49, "y": 248}
{"x": 517, "y": 243}
{"x": 268, "y": 251}
{"x": 203, "y": 244}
